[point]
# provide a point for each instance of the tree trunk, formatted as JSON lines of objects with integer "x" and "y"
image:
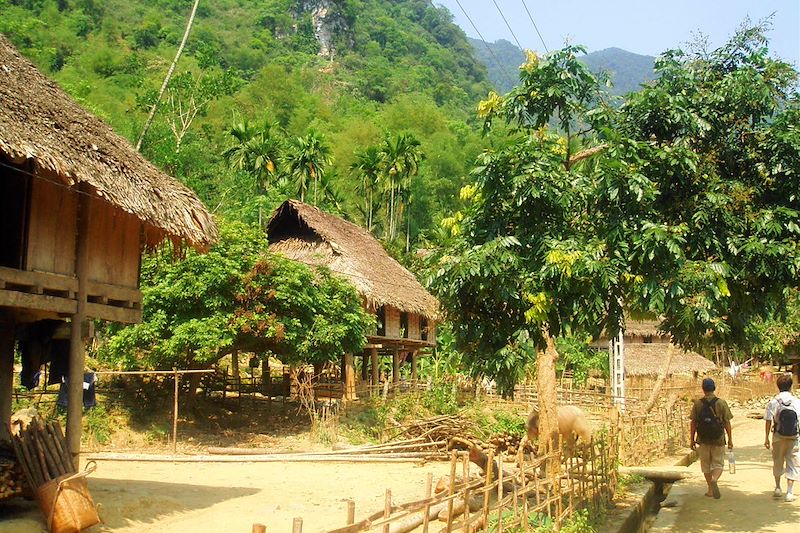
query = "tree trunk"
{"x": 548, "y": 399}
{"x": 651, "y": 402}
{"x": 171, "y": 70}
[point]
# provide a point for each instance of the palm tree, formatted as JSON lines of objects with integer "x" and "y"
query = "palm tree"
{"x": 369, "y": 163}
{"x": 402, "y": 156}
{"x": 254, "y": 150}
{"x": 306, "y": 160}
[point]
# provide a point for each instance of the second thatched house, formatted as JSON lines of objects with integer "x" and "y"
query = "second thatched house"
{"x": 406, "y": 313}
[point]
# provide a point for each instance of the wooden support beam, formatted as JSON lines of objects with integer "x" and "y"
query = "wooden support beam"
{"x": 77, "y": 350}
{"x": 349, "y": 377}
{"x": 235, "y": 364}
{"x": 365, "y": 368}
{"x": 375, "y": 367}
{"x": 6, "y": 376}
{"x": 395, "y": 366}
{"x": 414, "y": 366}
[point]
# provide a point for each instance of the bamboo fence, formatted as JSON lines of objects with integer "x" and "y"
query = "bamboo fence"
{"x": 520, "y": 494}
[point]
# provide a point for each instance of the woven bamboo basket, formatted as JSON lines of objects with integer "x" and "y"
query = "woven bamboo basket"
{"x": 67, "y": 504}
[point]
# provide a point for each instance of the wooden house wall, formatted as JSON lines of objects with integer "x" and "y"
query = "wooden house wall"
{"x": 114, "y": 245}
{"x": 51, "y": 228}
{"x": 413, "y": 326}
{"x": 392, "y": 321}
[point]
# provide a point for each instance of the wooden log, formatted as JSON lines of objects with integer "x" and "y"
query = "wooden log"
{"x": 61, "y": 444}
{"x": 259, "y": 528}
{"x": 277, "y": 458}
{"x": 658, "y": 473}
{"x": 297, "y": 525}
{"x": 413, "y": 521}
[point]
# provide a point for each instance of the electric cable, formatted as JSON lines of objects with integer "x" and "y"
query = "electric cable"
{"x": 535, "y": 27}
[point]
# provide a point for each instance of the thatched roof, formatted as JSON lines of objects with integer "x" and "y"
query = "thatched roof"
{"x": 41, "y": 125}
{"x": 642, "y": 328}
{"x": 647, "y": 359}
{"x": 307, "y": 234}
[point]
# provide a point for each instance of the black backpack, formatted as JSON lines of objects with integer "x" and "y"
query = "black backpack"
{"x": 709, "y": 427}
{"x": 786, "y": 419}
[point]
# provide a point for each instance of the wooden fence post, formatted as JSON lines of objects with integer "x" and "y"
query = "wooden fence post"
{"x": 175, "y": 413}
{"x": 297, "y": 525}
{"x": 259, "y": 528}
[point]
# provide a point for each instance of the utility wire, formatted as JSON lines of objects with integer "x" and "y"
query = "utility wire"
{"x": 507, "y": 24}
{"x": 535, "y": 27}
{"x": 491, "y": 52}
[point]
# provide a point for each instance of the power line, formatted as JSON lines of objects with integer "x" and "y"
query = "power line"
{"x": 535, "y": 27}
{"x": 491, "y": 52}
{"x": 507, "y": 24}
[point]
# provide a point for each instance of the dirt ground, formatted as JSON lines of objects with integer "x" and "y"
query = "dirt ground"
{"x": 746, "y": 504}
{"x": 230, "y": 497}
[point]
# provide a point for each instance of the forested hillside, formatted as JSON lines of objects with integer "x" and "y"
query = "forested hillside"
{"x": 626, "y": 70}
{"x": 276, "y": 98}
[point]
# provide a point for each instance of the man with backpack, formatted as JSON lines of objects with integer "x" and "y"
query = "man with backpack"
{"x": 782, "y": 416}
{"x": 710, "y": 422}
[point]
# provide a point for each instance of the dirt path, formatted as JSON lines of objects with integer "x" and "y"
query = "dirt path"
{"x": 746, "y": 504}
{"x": 205, "y": 497}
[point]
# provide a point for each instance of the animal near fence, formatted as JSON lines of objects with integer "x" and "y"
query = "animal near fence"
{"x": 511, "y": 492}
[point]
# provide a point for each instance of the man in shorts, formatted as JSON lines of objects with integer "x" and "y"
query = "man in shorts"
{"x": 710, "y": 422}
{"x": 785, "y": 444}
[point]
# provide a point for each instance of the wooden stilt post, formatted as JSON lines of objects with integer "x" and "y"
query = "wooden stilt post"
{"x": 259, "y": 528}
{"x": 351, "y": 512}
{"x": 77, "y": 347}
{"x": 175, "y": 413}
{"x": 349, "y": 377}
{"x": 265, "y": 377}
{"x": 6, "y": 376}
{"x": 375, "y": 367}
{"x": 365, "y": 368}
{"x": 414, "y": 367}
{"x": 395, "y": 366}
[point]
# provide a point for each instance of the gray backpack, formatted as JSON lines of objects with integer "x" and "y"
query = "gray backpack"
{"x": 786, "y": 419}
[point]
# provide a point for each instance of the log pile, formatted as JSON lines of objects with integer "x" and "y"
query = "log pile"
{"x": 436, "y": 429}
{"x": 12, "y": 480}
{"x": 40, "y": 448}
{"x": 509, "y": 444}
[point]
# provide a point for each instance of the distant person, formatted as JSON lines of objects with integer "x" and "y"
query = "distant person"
{"x": 781, "y": 417}
{"x": 711, "y": 421}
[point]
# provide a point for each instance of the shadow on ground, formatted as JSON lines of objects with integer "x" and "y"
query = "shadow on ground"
{"x": 123, "y": 503}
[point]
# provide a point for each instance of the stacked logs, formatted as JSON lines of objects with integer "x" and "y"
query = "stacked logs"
{"x": 509, "y": 444}
{"x": 41, "y": 450}
{"x": 11, "y": 480}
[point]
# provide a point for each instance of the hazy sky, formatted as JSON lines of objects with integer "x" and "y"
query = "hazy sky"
{"x": 643, "y": 26}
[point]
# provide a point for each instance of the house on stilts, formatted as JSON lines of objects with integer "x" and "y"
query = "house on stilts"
{"x": 78, "y": 205}
{"x": 405, "y": 312}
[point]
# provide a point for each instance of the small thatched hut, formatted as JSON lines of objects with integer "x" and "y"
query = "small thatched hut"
{"x": 406, "y": 313}
{"x": 77, "y": 206}
{"x": 648, "y": 360}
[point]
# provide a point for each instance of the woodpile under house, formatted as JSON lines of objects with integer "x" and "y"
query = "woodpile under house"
{"x": 78, "y": 205}
{"x": 406, "y": 313}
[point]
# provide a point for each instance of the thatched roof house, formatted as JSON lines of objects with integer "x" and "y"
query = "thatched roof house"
{"x": 307, "y": 234}
{"x": 77, "y": 206}
{"x": 648, "y": 359}
{"x": 44, "y": 129}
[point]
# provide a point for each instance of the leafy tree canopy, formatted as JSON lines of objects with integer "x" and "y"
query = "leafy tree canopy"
{"x": 236, "y": 296}
{"x": 682, "y": 203}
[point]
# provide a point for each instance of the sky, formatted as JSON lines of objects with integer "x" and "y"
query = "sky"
{"x": 643, "y": 26}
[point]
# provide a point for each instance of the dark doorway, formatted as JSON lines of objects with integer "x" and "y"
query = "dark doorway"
{"x": 15, "y": 187}
{"x": 381, "y": 316}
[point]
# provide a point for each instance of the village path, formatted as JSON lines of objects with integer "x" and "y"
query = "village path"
{"x": 746, "y": 505}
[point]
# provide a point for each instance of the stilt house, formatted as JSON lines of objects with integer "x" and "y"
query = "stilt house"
{"x": 77, "y": 206}
{"x": 405, "y": 312}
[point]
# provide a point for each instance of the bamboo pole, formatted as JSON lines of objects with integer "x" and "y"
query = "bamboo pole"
{"x": 259, "y": 528}
{"x": 387, "y": 509}
{"x": 297, "y": 525}
{"x": 351, "y": 512}
{"x": 451, "y": 491}
{"x": 175, "y": 413}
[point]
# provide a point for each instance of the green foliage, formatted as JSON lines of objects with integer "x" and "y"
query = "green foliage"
{"x": 202, "y": 306}
{"x": 684, "y": 210}
{"x": 97, "y": 425}
{"x": 506, "y": 423}
{"x": 580, "y": 358}
{"x": 441, "y": 399}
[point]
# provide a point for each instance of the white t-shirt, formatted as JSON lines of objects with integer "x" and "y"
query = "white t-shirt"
{"x": 784, "y": 397}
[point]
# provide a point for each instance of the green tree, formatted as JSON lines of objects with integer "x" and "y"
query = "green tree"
{"x": 676, "y": 204}
{"x": 402, "y": 156}
{"x": 255, "y": 150}
{"x": 236, "y": 296}
{"x": 368, "y": 164}
{"x": 306, "y": 158}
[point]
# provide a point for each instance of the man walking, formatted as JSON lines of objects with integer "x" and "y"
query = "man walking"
{"x": 782, "y": 416}
{"x": 710, "y": 422}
